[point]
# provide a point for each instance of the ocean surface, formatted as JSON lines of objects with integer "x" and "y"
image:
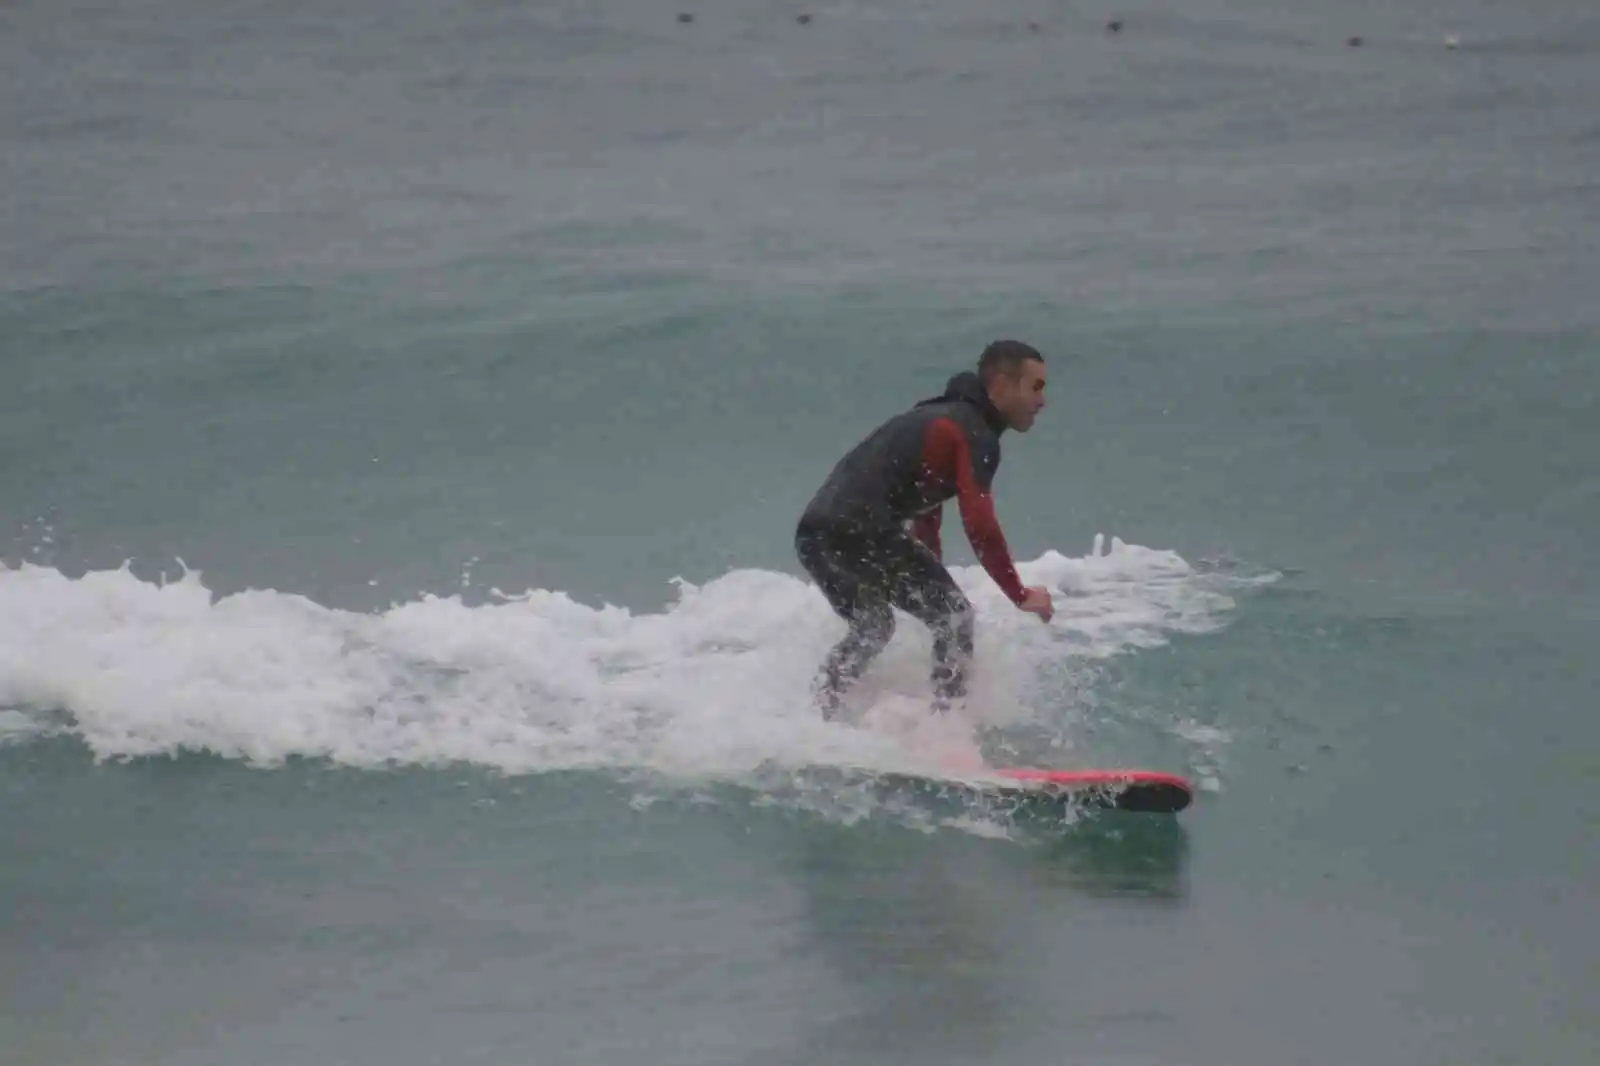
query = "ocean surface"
{"x": 405, "y": 413}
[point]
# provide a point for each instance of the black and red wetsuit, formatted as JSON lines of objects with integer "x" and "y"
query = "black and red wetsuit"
{"x": 852, "y": 538}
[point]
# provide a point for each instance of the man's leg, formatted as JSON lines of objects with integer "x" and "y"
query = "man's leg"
{"x": 870, "y": 630}
{"x": 924, "y": 589}
{"x": 848, "y": 572}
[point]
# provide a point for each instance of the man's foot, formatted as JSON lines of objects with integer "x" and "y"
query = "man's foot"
{"x": 944, "y": 702}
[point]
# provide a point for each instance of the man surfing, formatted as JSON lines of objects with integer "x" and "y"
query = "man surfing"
{"x": 853, "y": 541}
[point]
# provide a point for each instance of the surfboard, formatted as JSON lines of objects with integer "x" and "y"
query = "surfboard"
{"x": 1141, "y": 791}
{"x": 1146, "y": 791}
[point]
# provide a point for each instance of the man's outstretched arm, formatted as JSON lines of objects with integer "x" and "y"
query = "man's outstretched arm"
{"x": 946, "y": 453}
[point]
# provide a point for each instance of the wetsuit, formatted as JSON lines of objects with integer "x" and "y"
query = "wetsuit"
{"x": 852, "y": 538}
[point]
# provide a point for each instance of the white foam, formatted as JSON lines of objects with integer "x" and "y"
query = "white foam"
{"x": 715, "y": 686}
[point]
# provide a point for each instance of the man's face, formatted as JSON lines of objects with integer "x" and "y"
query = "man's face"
{"x": 1020, "y": 398}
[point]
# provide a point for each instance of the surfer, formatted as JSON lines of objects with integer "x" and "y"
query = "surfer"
{"x": 853, "y": 539}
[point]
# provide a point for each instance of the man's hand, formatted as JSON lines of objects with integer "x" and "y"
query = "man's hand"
{"x": 1036, "y": 600}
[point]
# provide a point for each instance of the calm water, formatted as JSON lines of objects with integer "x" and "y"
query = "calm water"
{"x": 402, "y": 657}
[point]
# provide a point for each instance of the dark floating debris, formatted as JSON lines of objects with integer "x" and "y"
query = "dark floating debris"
{"x": 1114, "y": 26}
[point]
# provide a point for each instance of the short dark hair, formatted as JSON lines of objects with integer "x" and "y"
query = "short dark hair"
{"x": 1006, "y": 357}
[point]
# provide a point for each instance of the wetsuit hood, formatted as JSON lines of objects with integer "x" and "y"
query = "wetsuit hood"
{"x": 967, "y": 387}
